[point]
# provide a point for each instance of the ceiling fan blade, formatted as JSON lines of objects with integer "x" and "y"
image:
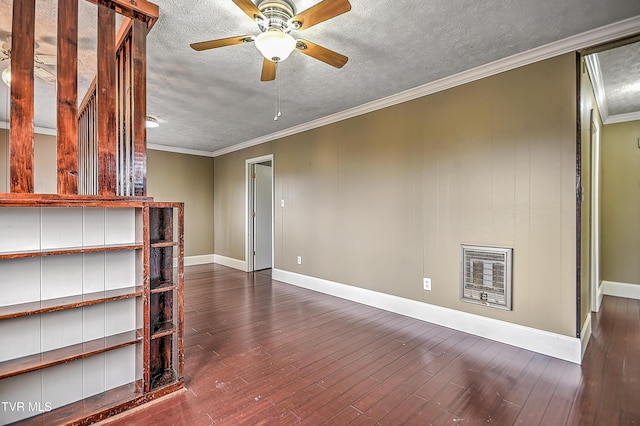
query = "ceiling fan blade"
{"x": 268, "y": 70}
{"x": 44, "y": 75}
{"x": 320, "y": 12}
{"x": 323, "y": 54}
{"x": 249, "y": 8}
{"x": 212, "y": 44}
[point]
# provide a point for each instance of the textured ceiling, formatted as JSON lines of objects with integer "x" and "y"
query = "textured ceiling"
{"x": 620, "y": 71}
{"x": 214, "y": 99}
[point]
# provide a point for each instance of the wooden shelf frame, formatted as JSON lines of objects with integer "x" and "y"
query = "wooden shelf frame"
{"x": 158, "y": 286}
{"x": 70, "y": 250}
{"x": 70, "y": 353}
{"x": 165, "y": 231}
{"x": 69, "y": 302}
{"x": 164, "y": 329}
{"x": 158, "y": 244}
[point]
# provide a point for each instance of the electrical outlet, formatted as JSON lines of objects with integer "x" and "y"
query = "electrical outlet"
{"x": 427, "y": 284}
{"x": 299, "y": 260}
{"x": 282, "y": 203}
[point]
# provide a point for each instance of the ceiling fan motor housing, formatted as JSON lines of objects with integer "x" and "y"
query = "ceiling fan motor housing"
{"x": 278, "y": 14}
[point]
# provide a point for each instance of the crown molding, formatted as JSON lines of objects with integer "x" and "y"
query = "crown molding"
{"x": 595, "y": 73}
{"x": 179, "y": 150}
{"x": 591, "y": 38}
{"x": 36, "y": 129}
{"x": 622, "y": 118}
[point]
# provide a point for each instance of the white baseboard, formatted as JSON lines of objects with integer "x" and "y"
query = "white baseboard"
{"x": 194, "y": 260}
{"x": 585, "y": 334}
{"x": 544, "y": 342}
{"x": 599, "y": 296}
{"x": 230, "y": 262}
{"x": 199, "y": 260}
{"x": 630, "y": 291}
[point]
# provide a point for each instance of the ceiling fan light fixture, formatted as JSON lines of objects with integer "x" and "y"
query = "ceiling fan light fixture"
{"x": 6, "y": 76}
{"x": 275, "y": 45}
{"x": 151, "y": 122}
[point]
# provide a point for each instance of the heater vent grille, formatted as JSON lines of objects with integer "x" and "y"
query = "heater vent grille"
{"x": 486, "y": 276}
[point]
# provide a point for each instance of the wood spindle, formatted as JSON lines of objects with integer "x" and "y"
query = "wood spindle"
{"x": 139, "y": 58}
{"x": 106, "y": 94}
{"x": 67, "y": 97}
{"x": 22, "y": 93}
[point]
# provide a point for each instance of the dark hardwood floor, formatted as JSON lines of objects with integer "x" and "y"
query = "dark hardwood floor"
{"x": 262, "y": 352}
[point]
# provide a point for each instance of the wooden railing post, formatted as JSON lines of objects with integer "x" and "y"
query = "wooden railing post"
{"x": 139, "y": 56}
{"x": 22, "y": 106}
{"x": 67, "y": 97}
{"x": 106, "y": 94}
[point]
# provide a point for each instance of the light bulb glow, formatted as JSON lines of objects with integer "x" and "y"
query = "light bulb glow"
{"x": 275, "y": 45}
{"x": 151, "y": 122}
{"x": 6, "y": 76}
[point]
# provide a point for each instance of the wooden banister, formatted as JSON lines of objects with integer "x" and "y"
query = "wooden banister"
{"x": 89, "y": 140}
{"x": 22, "y": 107}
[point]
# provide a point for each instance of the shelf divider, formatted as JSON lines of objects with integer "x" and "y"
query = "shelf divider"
{"x": 66, "y": 354}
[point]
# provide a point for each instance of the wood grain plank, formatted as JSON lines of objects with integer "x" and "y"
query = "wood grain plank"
{"x": 67, "y": 105}
{"x": 107, "y": 102}
{"x": 70, "y": 302}
{"x": 21, "y": 159}
{"x": 68, "y": 353}
{"x": 139, "y": 57}
{"x": 238, "y": 322}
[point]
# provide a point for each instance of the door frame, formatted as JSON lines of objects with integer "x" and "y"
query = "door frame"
{"x": 249, "y": 206}
{"x": 594, "y": 254}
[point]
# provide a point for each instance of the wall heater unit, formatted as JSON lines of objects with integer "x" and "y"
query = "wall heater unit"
{"x": 485, "y": 275}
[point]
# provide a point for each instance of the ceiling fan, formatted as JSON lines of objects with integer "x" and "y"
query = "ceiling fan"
{"x": 38, "y": 60}
{"x": 276, "y": 19}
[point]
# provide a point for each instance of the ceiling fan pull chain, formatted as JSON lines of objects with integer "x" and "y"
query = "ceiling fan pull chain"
{"x": 279, "y": 83}
{"x": 277, "y": 100}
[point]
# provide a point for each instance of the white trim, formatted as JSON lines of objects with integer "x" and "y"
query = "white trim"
{"x": 202, "y": 259}
{"x": 585, "y": 334}
{"x": 590, "y": 38}
{"x": 622, "y": 118}
{"x": 594, "y": 250}
{"x": 595, "y": 72}
{"x": 630, "y": 291}
{"x": 179, "y": 150}
{"x": 195, "y": 260}
{"x": 230, "y": 262}
{"x": 36, "y": 129}
{"x": 541, "y": 341}
{"x": 600, "y": 293}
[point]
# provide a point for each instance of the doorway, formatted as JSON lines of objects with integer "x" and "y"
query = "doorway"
{"x": 596, "y": 291}
{"x": 259, "y": 235}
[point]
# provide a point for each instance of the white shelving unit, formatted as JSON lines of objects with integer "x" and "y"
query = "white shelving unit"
{"x": 71, "y": 304}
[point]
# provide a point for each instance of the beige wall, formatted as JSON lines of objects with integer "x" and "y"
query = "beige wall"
{"x": 45, "y": 163}
{"x": 620, "y": 243}
{"x": 381, "y": 200}
{"x": 229, "y": 205}
{"x": 186, "y": 178}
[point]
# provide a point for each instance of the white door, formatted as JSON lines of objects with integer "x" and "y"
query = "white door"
{"x": 263, "y": 217}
